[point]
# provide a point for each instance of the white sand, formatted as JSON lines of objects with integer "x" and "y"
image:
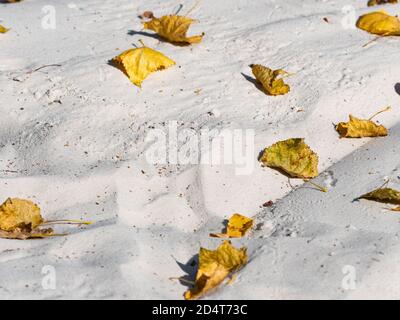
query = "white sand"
{"x": 72, "y": 139}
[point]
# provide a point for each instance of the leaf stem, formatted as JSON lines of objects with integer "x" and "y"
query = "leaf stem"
{"x": 369, "y": 42}
{"x": 179, "y": 9}
{"x": 141, "y": 42}
{"x": 67, "y": 222}
{"x": 384, "y": 185}
{"x": 320, "y": 188}
{"x": 382, "y": 111}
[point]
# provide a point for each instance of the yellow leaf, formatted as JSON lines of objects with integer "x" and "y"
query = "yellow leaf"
{"x": 379, "y": 23}
{"x": 20, "y": 219}
{"x": 292, "y": 156}
{"x": 357, "y": 128}
{"x": 15, "y": 213}
{"x": 3, "y": 29}
{"x": 215, "y": 266}
{"x": 376, "y": 2}
{"x": 270, "y": 80}
{"x": 173, "y": 28}
{"x": 386, "y": 195}
{"x": 237, "y": 227}
{"x": 140, "y": 62}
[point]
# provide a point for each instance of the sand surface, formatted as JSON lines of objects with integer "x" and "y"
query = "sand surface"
{"x": 73, "y": 139}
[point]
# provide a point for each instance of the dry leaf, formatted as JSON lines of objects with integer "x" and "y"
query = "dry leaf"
{"x": 147, "y": 15}
{"x": 292, "y": 156}
{"x": 3, "y": 29}
{"x": 396, "y": 209}
{"x": 237, "y": 227}
{"x": 376, "y": 2}
{"x": 386, "y": 195}
{"x": 21, "y": 219}
{"x": 357, "y": 128}
{"x": 379, "y": 23}
{"x": 173, "y": 28}
{"x": 26, "y": 232}
{"x": 215, "y": 266}
{"x": 270, "y": 79}
{"x": 19, "y": 212}
{"x": 140, "y": 62}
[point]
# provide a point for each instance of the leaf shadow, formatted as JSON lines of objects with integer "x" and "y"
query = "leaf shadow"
{"x": 397, "y": 88}
{"x": 224, "y": 228}
{"x": 254, "y": 81}
{"x": 118, "y": 66}
{"x": 145, "y": 34}
{"x": 190, "y": 268}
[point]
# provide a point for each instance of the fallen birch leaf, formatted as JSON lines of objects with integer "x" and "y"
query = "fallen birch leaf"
{"x": 140, "y": 62}
{"x": 173, "y": 28}
{"x": 237, "y": 227}
{"x": 3, "y": 29}
{"x": 383, "y": 194}
{"x": 378, "y": 2}
{"x": 215, "y": 266}
{"x": 379, "y": 23}
{"x": 16, "y": 212}
{"x": 292, "y": 156}
{"x": 21, "y": 219}
{"x": 270, "y": 80}
{"x": 358, "y": 128}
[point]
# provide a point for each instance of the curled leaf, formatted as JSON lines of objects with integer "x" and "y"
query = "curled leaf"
{"x": 140, "y": 62}
{"x": 377, "y": 2}
{"x": 386, "y": 195}
{"x": 3, "y": 29}
{"x": 292, "y": 156}
{"x": 215, "y": 266}
{"x": 237, "y": 227}
{"x": 173, "y": 28}
{"x": 357, "y": 128}
{"x": 270, "y": 79}
{"x": 379, "y": 23}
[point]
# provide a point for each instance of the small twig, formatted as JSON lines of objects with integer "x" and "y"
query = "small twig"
{"x": 35, "y": 70}
{"x": 45, "y": 66}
